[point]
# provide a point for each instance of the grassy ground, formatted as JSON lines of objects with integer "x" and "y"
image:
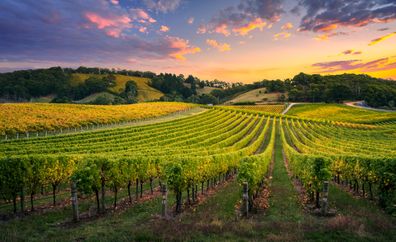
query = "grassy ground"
{"x": 215, "y": 219}
{"x": 339, "y": 112}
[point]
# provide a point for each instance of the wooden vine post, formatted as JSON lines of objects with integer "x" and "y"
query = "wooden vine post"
{"x": 245, "y": 197}
{"x": 164, "y": 200}
{"x": 74, "y": 201}
{"x": 325, "y": 202}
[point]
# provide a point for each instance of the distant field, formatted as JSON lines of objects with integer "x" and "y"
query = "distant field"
{"x": 145, "y": 92}
{"x": 37, "y": 117}
{"x": 338, "y": 112}
{"x": 256, "y": 95}
{"x": 262, "y": 108}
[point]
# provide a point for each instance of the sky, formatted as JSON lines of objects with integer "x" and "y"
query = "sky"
{"x": 228, "y": 40}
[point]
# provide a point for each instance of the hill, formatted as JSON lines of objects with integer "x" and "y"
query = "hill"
{"x": 259, "y": 95}
{"x": 145, "y": 92}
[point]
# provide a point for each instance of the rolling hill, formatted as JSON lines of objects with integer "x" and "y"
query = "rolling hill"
{"x": 145, "y": 92}
{"x": 257, "y": 95}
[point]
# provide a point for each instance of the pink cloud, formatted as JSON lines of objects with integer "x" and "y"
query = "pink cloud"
{"x": 115, "y": 33}
{"x": 103, "y": 22}
{"x": 222, "y": 29}
{"x": 181, "y": 47}
{"x": 141, "y": 16}
{"x": 382, "y": 64}
{"x": 113, "y": 26}
{"x": 202, "y": 29}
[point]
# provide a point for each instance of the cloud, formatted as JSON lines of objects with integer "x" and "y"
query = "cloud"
{"x": 62, "y": 32}
{"x": 258, "y": 23}
{"x": 327, "y": 15}
{"x": 287, "y": 26}
{"x": 163, "y": 6}
{"x": 113, "y": 25}
{"x": 219, "y": 46}
{"x": 247, "y": 16}
{"x": 326, "y": 36}
{"x": 141, "y": 16}
{"x": 190, "y": 20}
{"x": 222, "y": 29}
{"x": 382, "y": 38}
{"x": 351, "y": 52}
{"x": 382, "y": 64}
{"x": 115, "y": 2}
{"x": 181, "y": 47}
{"x": 282, "y": 35}
{"x": 164, "y": 28}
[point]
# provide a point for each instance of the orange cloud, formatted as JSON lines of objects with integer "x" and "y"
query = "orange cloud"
{"x": 143, "y": 30}
{"x": 326, "y": 28}
{"x": 376, "y": 41}
{"x": 282, "y": 35}
{"x": 322, "y": 37}
{"x": 287, "y": 26}
{"x": 181, "y": 47}
{"x": 164, "y": 28}
{"x": 220, "y": 47}
{"x": 190, "y": 20}
{"x": 258, "y": 23}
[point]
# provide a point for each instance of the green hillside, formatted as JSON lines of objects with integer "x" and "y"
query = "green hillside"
{"x": 257, "y": 95}
{"x": 145, "y": 92}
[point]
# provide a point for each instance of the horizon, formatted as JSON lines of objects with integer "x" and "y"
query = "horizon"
{"x": 234, "y": 41}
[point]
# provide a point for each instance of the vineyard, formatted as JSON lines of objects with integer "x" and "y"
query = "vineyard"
{"x": 217, "y": 154}
{"x": 262, "y": 108}
{"x": 35, "y": 117}
{"x": 342, "y": 113}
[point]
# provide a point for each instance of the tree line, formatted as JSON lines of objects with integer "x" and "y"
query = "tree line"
{"x": 27, "y": 84}
{"x": 331, "y": 89}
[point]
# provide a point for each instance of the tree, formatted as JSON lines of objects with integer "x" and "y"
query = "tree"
{"x": 131, "y": 92}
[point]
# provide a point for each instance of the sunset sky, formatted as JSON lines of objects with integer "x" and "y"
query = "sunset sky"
{"x": 229, "y": 40}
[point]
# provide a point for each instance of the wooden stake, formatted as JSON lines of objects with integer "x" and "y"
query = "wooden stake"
{"x": 74, "y": 202}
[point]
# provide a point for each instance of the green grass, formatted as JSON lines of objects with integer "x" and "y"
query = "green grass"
{"x": 339, "y": 112}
